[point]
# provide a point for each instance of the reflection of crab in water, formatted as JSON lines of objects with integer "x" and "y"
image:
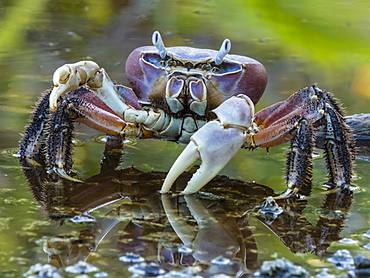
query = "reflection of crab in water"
{"x": 201, "y": 97}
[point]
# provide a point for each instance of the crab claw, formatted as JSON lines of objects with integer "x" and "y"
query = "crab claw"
{"x": 215, "y": 144}
{"x": 71, "y": 76}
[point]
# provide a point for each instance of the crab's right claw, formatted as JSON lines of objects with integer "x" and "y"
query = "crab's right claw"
{"x": 215, "y": 144}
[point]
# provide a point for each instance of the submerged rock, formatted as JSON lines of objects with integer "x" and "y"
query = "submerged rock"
{"x": 270, "y": 210}
{"x": 342, "y": 259}
{"x": 281, "y": 268}
{"x": 81, "y": 268}
{"x": 42, "y": 271}
{"x": 146, "y": 269}
{"x": 362, "y": 268}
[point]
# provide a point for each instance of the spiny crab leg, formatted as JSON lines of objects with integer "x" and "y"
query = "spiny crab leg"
{"x": 215, "y": 144}
{"x": 71, "y": 76}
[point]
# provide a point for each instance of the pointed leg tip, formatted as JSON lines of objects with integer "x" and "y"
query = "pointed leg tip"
{"x": 62, "y": 173}
{"x": 287, "y": 194}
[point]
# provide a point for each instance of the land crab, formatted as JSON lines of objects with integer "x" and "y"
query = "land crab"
{"x": 204, "y": 98}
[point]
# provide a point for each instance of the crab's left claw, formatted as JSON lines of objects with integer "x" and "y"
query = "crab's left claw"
{"x": 215, "y": 144}
{"x": 72, "y": 76}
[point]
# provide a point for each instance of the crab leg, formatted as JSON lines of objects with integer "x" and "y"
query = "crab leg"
{"x": 215, "y": 144}
{"x": 295, "y": 120}
{"x": 83, "y": 106}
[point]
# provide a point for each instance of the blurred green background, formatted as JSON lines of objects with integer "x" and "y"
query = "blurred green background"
{"x": 299, "y": 42}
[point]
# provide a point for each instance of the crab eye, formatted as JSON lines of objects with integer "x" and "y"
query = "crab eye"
{"x": 171, "y": 63}
{"x": 206, "y": 67}
{"x": 216, "y": 70}
{"x": 152, "y": 58}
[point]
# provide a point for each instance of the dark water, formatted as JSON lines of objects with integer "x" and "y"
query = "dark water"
{"x": 119, "y": 210}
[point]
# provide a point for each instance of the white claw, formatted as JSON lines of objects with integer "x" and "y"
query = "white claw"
{"x": 158, "y": 43}
{"x": 189, "y": 155}
{"x": 215, "y": 144}
{"x": 224, "y": 50}
{"x": 70, "y": 77}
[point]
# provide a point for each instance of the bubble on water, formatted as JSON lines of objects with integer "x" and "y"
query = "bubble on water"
{"x": 81, "y": 267}
{"x": 348, "y": 241}
{"x": 342, "y": 259}
{"x": 131, "y": 258}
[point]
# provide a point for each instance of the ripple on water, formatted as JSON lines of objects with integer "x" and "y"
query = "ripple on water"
{"x": 103, "y": 139}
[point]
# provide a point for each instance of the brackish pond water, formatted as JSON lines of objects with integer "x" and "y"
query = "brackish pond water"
{"x": 116, "y": 220}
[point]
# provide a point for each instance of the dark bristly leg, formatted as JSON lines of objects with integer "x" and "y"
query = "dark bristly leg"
{"x": 297, "y": 119}
{"x": 60, "y": 137}
{"x": 299, "y": 160}
{"x": 32, "y": 148}
{"x": 33, "y": 141}
{"x": 339, "y": 149}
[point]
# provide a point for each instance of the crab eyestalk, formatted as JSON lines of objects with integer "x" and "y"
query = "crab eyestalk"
{"x": 224, "y": 50}
{"x": 158, "y": 43}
